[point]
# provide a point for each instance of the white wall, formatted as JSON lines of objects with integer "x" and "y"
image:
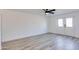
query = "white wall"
{"x": 53, "y": 28}
{"x": 19, "y": 25}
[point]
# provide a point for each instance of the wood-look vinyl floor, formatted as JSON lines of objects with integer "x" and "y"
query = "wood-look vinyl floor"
{"x": 43, "y": 42}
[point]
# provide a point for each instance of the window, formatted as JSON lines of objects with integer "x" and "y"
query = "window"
{"x": 69, "y": 22}
{"x": 60, "y": 22}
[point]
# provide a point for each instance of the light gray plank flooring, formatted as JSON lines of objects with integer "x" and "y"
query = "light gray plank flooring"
{"x": 43, "y": 42}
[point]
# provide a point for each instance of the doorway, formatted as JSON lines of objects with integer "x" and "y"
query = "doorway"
{"x": 66, "y": 26}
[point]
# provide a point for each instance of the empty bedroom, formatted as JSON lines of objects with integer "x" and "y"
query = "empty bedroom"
{"x": 39, "y": 29}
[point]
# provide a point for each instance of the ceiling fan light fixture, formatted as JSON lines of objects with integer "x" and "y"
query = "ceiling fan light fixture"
{"x": 46, "y": 13}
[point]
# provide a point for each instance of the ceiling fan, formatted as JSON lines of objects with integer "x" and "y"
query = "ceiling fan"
{"x": 49, "y": 11}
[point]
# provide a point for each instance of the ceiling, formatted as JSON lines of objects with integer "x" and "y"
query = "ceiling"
{"x": 40, "y": 11}
{"x": 63, "y": 11}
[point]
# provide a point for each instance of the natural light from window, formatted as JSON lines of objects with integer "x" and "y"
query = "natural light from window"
{"x": 69, "y": 22}
{"x": 60, "y": 22}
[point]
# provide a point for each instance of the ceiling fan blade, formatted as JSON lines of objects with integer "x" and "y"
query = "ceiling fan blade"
{"x": 44, "y": 9}
{"x": 53, "y": 10}
{"x": 47, "y": 9}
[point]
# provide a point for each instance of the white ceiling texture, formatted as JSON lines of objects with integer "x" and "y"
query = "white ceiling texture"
{"x": 40, "y": 11}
